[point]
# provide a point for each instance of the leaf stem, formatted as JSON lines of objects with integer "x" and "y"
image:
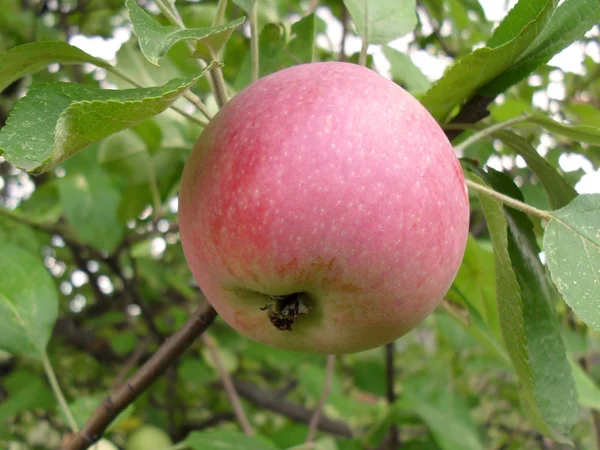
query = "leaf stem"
{"x": 216, "y": 75}
{"x": 254, "y": 40}
{"x": 188, "y": 95}
{"x": 220, "y": 15}
{"x": 362, "y": 58}
{"x": 62, "y": 401}
{"x": 489, "y": 131}
{"x": 314, "y": 420}
{"x": 508, "y": 201}
{"x": 169, "y": 13}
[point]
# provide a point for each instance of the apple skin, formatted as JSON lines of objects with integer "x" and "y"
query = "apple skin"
{"x": 329, "y": 180}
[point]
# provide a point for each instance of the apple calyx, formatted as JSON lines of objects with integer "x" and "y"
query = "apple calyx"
{"x": 286, "y": 309}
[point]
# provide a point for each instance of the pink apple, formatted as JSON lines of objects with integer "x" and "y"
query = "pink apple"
{"x": 323, "y": 210}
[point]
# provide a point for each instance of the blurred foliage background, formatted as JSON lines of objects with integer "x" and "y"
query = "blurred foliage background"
{"x": 105, "y": 223}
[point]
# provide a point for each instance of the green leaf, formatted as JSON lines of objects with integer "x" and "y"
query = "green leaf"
{"x": 28, "y": 302}
{"x": 27, "y": 391}
{"x": 227, "y": 440}
{"x": 311, "y": 376}
{"x": 126, "y": 154}
{"x": 559, "y": 191}
{"x": 279, "y": 49}
{"x": 196, "y": 371}
{"x": 475, "y": 282}
{"x": 451, "y": 426}
{"x": 56, "y": 120}
{"x": 382, "y": 21}
{"x": 516, "y": 32}
{"x": 405, "y": 72}
{"x": 43, "y": 206}
{"x": 587, "y": 389}
{"x": 569, "y": 23}
{"x": 246, "y": 5}
{"x": 527, "y": 318}
{"x": 578, "y": 133}
{"x": 572, "y": 247}
{"x": 156, "y": 39}
{"x": 90, "y": 202}
{"x": 35, "y": 56}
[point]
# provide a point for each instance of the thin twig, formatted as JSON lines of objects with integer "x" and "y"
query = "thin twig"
{"x": 228, "y": 385}
{"x": 508, "y": 201}
{"x": 486, "y": 132}
{"x": 218, "y": 81}
{"x": 220, "y": 15}
{"x": 345, "y": 20}
{"x": 362, "y": 57}
{"x": 131, "y": 362}
{"x": 254, "y": 40}
{"x": 312, "y": 7}
{"x": 394, "y": 433}
{"x": 125, "y": 394}
{"x": 314, "y": 420}
{"x": 216, "y": 75}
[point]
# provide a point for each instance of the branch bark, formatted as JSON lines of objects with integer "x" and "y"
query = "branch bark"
{"x": 125, "y": 394}
{"x": 472, "y": 112}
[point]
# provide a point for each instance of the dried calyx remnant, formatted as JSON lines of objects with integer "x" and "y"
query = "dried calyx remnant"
{"x": 286, "y": 309}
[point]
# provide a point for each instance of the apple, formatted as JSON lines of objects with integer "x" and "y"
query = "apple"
{"x": 149, "y": 437}
{"x": 323, "y": 210}
{"x": 103, "y": 444}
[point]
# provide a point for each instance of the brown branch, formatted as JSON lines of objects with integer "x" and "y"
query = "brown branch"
{"x": 314, "y": 420}
{"x": 472, "y": 112}
{"x": 268, "y": 400}
{"x": 228, "y": 385}
{"x": 125, "y": 394}
{"x": 207, "y": 423}
{"x": 131, "y": 286}
{"x": 436, "y": 32}
{"x": 86, "y": 341}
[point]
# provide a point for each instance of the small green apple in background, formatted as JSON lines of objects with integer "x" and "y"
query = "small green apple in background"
{"x": 103, "y": 444}
{"x": 323, "y": 210}
{"x": 149, "y": 437}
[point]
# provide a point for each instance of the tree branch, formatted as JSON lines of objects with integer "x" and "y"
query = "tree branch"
{"x": 125, "y": 394}
{"x": 268, "y": 400}
{"x": 472, "y": 112}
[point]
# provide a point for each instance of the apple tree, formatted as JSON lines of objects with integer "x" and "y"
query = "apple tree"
{"x": 417, "y": 240}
